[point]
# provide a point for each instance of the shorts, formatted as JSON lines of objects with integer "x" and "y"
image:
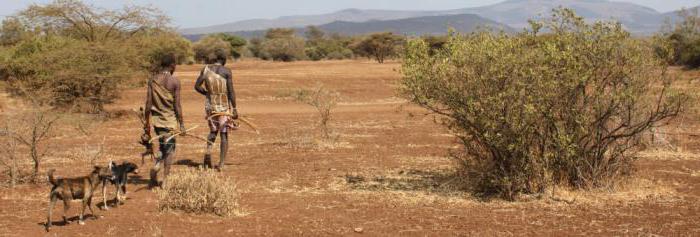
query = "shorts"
{"x": 164, "y": 133}
{"x": 220, "y": 123}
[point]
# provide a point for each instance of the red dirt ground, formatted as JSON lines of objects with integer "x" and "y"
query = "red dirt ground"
{"x": 292, "y": 184}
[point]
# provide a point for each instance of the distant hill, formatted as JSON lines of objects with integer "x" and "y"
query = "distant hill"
{"x": 514, "y": 13}
{"x": 349, "y": 15}
{"x": 429, "y": 25}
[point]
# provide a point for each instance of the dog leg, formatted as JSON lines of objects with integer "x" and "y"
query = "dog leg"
{"x": 66, "y": 206}
{"x": 82, "y": 212}
{"x": 89, "y": 203}
{"x": 52, "y": 203}
{"x": 124, "y": 189}
{"x": 104, "y": 195}
{"x": 119, "y": 197}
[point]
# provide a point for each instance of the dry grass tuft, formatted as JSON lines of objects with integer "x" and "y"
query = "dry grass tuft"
{"x": 201, "y": 192}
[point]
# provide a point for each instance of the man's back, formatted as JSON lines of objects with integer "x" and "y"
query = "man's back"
{"x": 165, "y": 97}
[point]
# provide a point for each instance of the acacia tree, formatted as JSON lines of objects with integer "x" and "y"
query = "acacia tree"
{"x": 567, "y": 107}
{"x": 379, "y": 45}
{"x": 78, "y": 20}
{"x": 281, "y": 44}
{"x": 85, "y": 53}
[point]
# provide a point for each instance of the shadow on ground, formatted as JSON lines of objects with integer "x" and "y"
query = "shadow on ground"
{"x": 443, "y": 182}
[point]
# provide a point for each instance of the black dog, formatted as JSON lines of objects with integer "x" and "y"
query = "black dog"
{"x": 120, "y": 174}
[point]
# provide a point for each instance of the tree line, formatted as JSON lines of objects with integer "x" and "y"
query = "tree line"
{"x": 283, "y": 44}
{"x": 71, "y": 55}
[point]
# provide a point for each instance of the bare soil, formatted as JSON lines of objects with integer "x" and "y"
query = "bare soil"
{"x": 386, "y": 172}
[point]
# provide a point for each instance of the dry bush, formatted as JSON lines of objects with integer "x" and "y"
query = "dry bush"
{"x": 10, "y": 158}
{"x": 324, "y": 100}
{"x": 534, "y": 110}
{"x": 201, "y": 192}
{"x": 32, "y": 130}
{"x": 381, "y": 46}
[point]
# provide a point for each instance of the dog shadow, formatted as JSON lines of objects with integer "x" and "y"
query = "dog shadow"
{"x": 187, "y": 162}
{"x": 71, "y": 220}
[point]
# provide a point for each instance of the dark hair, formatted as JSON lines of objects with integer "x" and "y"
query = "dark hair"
{"x": 167, "y": 60}
{"x": 218, "y": 56}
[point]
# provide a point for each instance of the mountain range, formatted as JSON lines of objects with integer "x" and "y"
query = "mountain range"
{"x": 510, "y": 14}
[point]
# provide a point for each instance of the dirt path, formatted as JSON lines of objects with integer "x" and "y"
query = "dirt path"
{"x": 291, "y": 184}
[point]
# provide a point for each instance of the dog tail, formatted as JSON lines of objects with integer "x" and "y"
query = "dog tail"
{"x": 52, "y": 180}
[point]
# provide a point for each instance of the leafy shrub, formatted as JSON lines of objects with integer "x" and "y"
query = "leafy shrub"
{"x": 210, "y": 46}
{"x": 154, "y": 45}
{"x": 379, "y": 45}
{"x": 684, "y": 40}
{"x": 284, "y": 49}
{"x": 65, "y": 72}
{"x": 68, "y": 53}
{"x": 237, "y": 43}
{"x": 200, "y": 192}
{"x": 567, "y": 107}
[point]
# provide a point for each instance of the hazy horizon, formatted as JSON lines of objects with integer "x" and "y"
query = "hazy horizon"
{"x": 187, "y": 13}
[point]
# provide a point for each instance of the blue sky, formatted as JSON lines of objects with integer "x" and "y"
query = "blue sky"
{"x": 192, "y": 13}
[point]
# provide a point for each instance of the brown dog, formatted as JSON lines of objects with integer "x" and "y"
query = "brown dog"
{"x": 67, "y": 189}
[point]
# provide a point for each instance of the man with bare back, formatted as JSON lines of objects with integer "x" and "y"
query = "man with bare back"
{"x": 164, "y": 110}
{"x": 215, "y": 82}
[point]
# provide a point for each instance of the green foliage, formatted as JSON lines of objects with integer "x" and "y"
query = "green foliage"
{"x": 379, "y": 45}
{"x": 436, "y": 43}
{"x": 281, "y": 45}
{"x": 319, "y": 47}
{"x": 64, "y": 72}
{"x": 12, "y": 31}
{"x": 683, "y": 41}
{"x": 536, "y": 110}
{"x": 68, "y": 53}
{"x": 279, "y": 33}
{"x": 209, "y": 47}
{"x": 255, "y": 48}
{"x": 75, "y": 19}
{"x": 153, "y": 46}
{"x": 237, "y": 43}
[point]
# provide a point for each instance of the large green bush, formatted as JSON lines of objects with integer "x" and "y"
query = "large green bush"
{"x": 565, "y": 107}
{"x": 70, "y": 54}
{"x": 281, "y": 44}
{"x": 65, "y": 72}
